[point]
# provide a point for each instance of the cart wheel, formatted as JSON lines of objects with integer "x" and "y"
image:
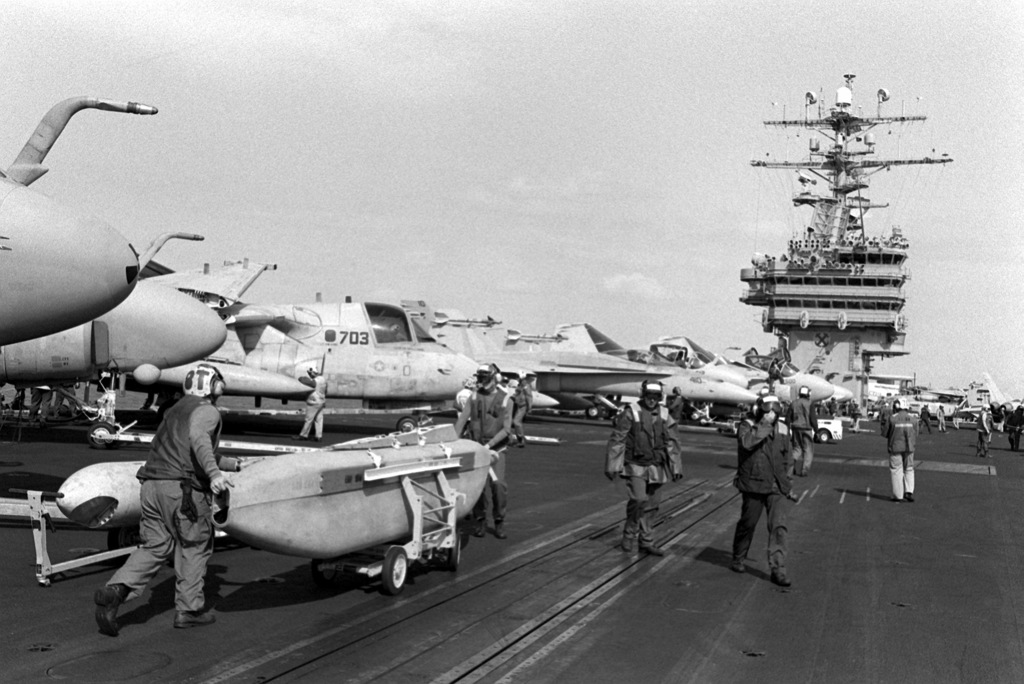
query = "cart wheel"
{"x": 396, "y": 565}
{"x": 101, "y": 436}
{"x": 323, "y": 576}
{"x": 407, "y": 424}
{"x": 451, "y": 562}
{"x": 123, "y": 537}
{"x": 823, "y": 436}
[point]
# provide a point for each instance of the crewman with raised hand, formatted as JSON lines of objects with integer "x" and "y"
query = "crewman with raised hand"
{"x": 315, "y": 402}
{"x": 487, "y": 419}
{"x": 902, "y": 437}
{"x": 179, "y": 478}
{"x": 644, "y": 451}
{"x": 762, "y": 477}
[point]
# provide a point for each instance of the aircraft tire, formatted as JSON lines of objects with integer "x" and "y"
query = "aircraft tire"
{"x": 593, "y": 412}
{"x": 822, "y": 436}
{"x": 101, "y": 436}
{"x": 123, "y": 537}
{"x": 396, "y": 567}
{"x": 323, "y": 577}
{"x": 407, "y": 424}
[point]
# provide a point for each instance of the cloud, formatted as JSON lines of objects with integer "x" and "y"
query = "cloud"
{"x": 636, "y": 284}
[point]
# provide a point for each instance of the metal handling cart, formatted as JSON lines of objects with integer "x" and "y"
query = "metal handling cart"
{"x": 435, "y": 539}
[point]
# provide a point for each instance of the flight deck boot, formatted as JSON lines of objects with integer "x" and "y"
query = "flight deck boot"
{"x": 108, "y": 599}
{"x": 628, "y": 543}
{"x": 499, "y": 529}
{"x": 190, "y": 618}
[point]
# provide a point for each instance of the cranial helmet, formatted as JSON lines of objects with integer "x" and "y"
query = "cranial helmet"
{"x": 897, "y": 405}
{"x": 805, "y": 391}
{"x": 204, "y": 381}
{"x": 487, "y": 372}
{"x": 651, "y": 387}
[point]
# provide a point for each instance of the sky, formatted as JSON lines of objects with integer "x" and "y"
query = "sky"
{"x": 541, "y": 162}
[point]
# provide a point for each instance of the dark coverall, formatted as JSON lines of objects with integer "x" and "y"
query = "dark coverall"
{"x": 1014, "y": 424}
{"x": 522, "y": 402}
{"x": 488, "y": 417}
{"x": 761, "y": 476}
{"x": 176, "y": 516}
{"x": 802, "y": 420}
{"x": 644, "y": 451}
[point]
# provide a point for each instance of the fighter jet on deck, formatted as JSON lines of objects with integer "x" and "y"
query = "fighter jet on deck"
{"x": 58, "y": 267}
{"x": 757, "y": 372}
{"x": 565, "y": 363}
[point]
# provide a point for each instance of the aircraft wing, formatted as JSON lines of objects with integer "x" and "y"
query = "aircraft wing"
{"x": 220, "y": 287}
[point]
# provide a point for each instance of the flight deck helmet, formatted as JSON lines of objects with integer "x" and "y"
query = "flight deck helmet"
{"x": 768, "y": 402}
{"x": 204, "y": 381}
{"x": 805, "y": 391}
{"x": 486, "y": 373}
{"x": 652, "y": 388}
{"x": 897, "y": 405}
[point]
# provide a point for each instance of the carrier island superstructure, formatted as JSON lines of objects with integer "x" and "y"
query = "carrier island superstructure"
{"x": 836, "y": 297}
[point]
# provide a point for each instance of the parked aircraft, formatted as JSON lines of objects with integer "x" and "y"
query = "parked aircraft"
{"x": 155, "y": 327}
{"x": 367, "y": 351}
{"x": 564, "y": 366}
{"x": 787, "y": 378}
{"x": 58, "y": 267}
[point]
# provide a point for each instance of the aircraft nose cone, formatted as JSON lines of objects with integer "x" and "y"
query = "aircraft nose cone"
{"x": 821, "y": 389}
{"x": 731, "y": 394}
{"x": 841, "y": 393}
{"x": 160, "y": 326}
{"x": 65, "y": 268}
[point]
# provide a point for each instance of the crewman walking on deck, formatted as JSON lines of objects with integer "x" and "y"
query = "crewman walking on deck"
{"x": 763, "y": 452}
{"x": 984, "y": 431}
{"x": 926, "y": 418}
{"x": 940, "y": 415}
{"x": 802, "y": 420}
{"x": 180, "y": 475}
{"x": 1014, "y": 425}
{"x": 487, "y": 418}
{"x": 315, "y": 403}
{"x": 644, "y": 451}
{"x": 902, "y": 437}
{"x": 522, "y": 402}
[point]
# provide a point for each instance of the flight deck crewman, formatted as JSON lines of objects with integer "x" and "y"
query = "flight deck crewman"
{"x": 181, "y": 473}
{"x": 802, "y": 420}
{"x": 522, "y": 402}
{"x": 314, "y": 405}
{"x": 487, "y": 416}
{"x": 984, "y": 431}
{"x": 644, "y": 451}
{"x": 902, "y": 436}
{"x": 763, "y": 452}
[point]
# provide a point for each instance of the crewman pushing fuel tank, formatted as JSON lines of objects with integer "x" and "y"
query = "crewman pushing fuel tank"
{"x": 181, "y": 474}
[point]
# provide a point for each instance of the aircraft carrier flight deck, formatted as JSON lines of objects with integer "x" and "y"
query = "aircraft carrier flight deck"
{"x": 930, "y": 591}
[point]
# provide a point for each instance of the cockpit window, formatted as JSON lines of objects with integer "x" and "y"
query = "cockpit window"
{"x": 388, "y": 323}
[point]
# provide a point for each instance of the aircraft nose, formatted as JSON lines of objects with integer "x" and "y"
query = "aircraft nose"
{"x": 821, "y": 389}
{"x": 160, "y": 326}
{"x": 732, "y": 394}
{"x": 841, "y": 394}
{"x": 188, "y": 329}
{"x": 73, "y": 268}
